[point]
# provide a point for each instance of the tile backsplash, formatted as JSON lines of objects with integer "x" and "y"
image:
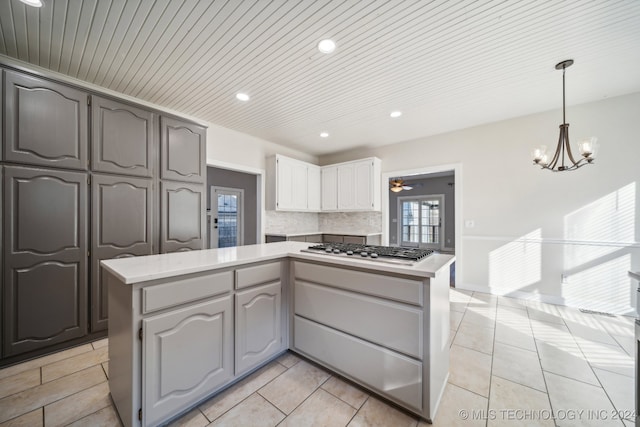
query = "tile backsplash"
{"x": 333, "y": 222}
{"x": 291, "y": 222}
{"x": 366, "y": 222}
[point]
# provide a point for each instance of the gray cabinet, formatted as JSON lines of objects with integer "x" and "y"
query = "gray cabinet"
{"x": 122, "y": 138}
{"x": 45, "y": 123}
{"x": 182, "y": 216}
{"x": 187, "y": 354}
{"x": 258, "y": 333}
{"x": 122, "y": 226}
{"x": 53, "y": 288}
{"x": 45, "y": 258}
{"x": 183, "y": 151}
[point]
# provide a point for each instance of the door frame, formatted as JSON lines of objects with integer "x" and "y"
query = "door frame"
{"x": 458, "y": 197}
{"x": 440, "y": 198}
{"x": 260, "y": 191}
{"x": 240, "y": 215}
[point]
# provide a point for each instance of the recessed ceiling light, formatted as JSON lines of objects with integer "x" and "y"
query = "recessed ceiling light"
{"x": 326, "y": 46}
{"x": 242, "y": 96}
{"x": 34, "y": 3}
{"x": 395, "y": 114}
{"x": 324, "y": 135}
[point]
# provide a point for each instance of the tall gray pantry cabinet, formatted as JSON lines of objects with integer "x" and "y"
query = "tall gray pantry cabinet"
{"x": 85, "y": 177}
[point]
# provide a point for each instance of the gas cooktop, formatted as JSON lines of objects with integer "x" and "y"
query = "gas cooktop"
{"x": 391, "y": 254}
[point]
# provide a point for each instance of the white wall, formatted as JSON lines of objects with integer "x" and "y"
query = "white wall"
{"x": 533, "y": 226}
{"x": 232, "y": 147}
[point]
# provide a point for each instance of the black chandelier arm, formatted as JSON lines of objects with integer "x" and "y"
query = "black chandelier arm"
{"x": 556, "y": 155}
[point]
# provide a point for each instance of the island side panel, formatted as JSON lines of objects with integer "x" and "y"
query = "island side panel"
{"x": 124, "y": 352}
{"x": 437, "y": 330}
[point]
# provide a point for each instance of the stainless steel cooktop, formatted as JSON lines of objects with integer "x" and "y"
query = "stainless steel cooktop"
{"x": 391, "y": 254}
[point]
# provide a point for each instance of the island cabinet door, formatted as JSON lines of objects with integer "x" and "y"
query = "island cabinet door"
{"x": 187, "y": 354}
{"x": 182, "y": 216}
{"x": 258, "y": 325}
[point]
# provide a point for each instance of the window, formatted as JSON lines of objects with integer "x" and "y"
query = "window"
{"x": 421, "y": 221}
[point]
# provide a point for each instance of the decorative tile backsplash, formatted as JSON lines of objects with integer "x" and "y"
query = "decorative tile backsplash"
{"x": 291, "y": 222}
{"x": 365, "y": 222}
{"x": 333, "y": 222}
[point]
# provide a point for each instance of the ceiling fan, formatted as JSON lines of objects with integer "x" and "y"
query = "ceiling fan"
{"x": 397, "y": 185}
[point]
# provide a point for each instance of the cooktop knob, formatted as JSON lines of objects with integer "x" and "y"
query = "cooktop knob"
{"x": 364, "y": 254}
{"x": 336, "y": 251}
{"x": 349, "y": 252}
{"x": 328, "y": 249}
{"x": 373, "y": 255}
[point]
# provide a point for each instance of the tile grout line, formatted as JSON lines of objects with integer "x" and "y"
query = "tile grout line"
{"x": 257, "y": 391}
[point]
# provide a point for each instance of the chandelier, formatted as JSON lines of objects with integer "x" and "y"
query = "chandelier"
{"x": 586, "y": 147}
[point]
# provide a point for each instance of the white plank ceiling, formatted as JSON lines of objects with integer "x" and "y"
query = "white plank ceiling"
{"x": 445, "y": 64}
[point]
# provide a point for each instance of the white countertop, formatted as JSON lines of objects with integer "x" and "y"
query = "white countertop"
{"x": 339, "y": 233}
{"x": 153, "y": 267}
{"x": 635, "y": 275}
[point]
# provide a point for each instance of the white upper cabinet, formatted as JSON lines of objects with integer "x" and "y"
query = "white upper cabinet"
{"x": 292, "y": 185}
{"x": 352, "y": 186}
{"x": 313, "y": 186}
{"x": 329, "y": 188}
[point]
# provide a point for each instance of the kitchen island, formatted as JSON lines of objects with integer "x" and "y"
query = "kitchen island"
{"x": 186, "y": 325}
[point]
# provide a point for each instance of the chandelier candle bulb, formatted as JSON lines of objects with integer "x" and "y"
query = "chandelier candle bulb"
{"x": 587, "y": 147}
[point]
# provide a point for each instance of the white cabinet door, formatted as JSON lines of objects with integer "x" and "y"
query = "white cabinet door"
{"x": 284, "y": 182}
{"x": 329, "y": 188}
{"x": 258, "y": 325}
{"x": 187, "y": 354}
{"x": 291, "y": 183}
{"x": 299, "y": 184}
{"x": 363, "y": 185}
{"x": 346, "y": 187}
{"x": 313, "y": 187}
{"x": 357, "y": 185}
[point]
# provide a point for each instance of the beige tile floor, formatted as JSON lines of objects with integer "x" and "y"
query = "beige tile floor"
{"x": 513, "y": 362}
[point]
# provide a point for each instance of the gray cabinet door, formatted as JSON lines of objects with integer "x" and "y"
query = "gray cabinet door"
{"x": 1, "y": 113}
{"x": 187, "y": 354}
{"x": 122, "y": 138}
{"x": 183, "y": 151}
{"x": 45, "y": 258}
{"x": 122, "y": 227}
{"x": 182, "y": 216}
{"x": 46, "y": 123}
{"x": 258, "y": 325}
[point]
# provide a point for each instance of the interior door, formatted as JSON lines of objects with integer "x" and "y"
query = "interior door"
{"x": 421, "y": 222}
{"x": 227, "y": 218}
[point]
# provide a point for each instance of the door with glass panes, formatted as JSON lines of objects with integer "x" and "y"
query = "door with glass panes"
{"x": 420, "y": 223}
{"x": 227, "y": 217}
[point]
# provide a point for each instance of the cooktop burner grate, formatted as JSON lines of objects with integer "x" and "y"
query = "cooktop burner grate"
{"x": 372, "y": 251}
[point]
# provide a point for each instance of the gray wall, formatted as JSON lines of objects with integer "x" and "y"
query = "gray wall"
{"x": 217, "y": 177}
{"x": 426, "y": 187}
